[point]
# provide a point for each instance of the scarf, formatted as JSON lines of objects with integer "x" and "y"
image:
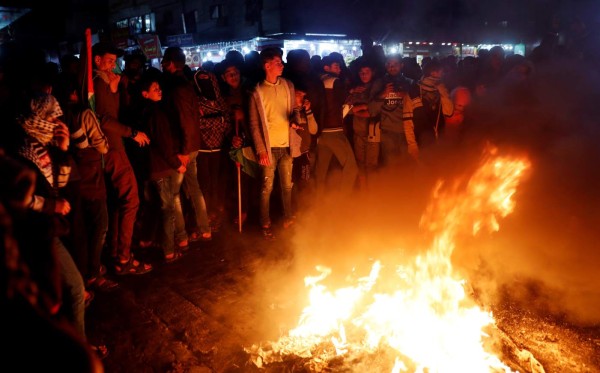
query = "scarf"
{"x": 429, "y": 92}
{"x": 102, "y": 75}
{"x": 37, "y": 123}
{"x": 40, "y": 131}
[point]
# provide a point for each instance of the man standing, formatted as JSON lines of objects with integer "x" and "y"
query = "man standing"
{"x": 431, "y": 105}
{"x": 397, "y": 131}
{"x": 271, "y": 106}
{"x": 214, "y": 125}
{"x": 182, "y": 105}
{"x": 333, "y": 140}
{"x": 117, "y": 166}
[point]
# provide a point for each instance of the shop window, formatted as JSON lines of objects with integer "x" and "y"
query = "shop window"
{"x": 124, "y": 23}
{"x": 135, "y": 25}
{"x": 149, "y": 23}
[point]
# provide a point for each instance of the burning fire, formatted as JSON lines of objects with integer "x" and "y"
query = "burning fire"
{"x": 420, "y": 312}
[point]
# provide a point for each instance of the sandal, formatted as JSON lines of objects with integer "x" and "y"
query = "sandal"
{"x": 100, "y": 350}
{"x": 132, "y": 267}
{"x": 215, "y": 223}
{"x": 102, "y": 284}
{"x": 176, "y": 256}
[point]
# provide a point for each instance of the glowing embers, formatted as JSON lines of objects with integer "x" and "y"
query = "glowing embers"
{"x": 414, "y": 317}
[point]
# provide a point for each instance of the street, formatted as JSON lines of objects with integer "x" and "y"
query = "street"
{"x": 198, "y": 314}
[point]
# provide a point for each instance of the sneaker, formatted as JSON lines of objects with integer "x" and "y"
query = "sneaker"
{"x": 183, "y": 245}
{"x": 268, "y": 233}
{"x": 102, "y": 284}
{"x": 145, "y": 244}
{"x": 236, "y": 220}
{"x": 204, "y": 237}
{"x": 175, "y": 256}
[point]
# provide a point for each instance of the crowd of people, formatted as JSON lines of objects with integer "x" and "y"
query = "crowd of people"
{"x": 152, "y": 162}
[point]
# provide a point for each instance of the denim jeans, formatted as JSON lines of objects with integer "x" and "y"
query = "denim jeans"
{"x": 282, "y": 161}
{"x": 72, "y": 282}
{"x": 192, "y": 189}
{"x": 168, "y": 188}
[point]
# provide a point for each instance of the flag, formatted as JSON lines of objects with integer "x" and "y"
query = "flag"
{"x": 87, "y": 77}
{"x": 247, "y": 160}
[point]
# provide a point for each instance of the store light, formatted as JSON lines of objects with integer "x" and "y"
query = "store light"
{"x": 198, "y": 50}
{"x": 221, "y": 53}
{"x": 394, "y": 50}
{"x": 410, "y": 43}
{"x": 430, "y": 43}
{"x": 334, "y": 35}
{"x": 246, "y": 50}
{"x": 443, "y": 43}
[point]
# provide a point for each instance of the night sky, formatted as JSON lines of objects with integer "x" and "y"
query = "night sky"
{"x": 499, "y": 21}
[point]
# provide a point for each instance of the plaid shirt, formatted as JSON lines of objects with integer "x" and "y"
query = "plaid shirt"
{"x": 215, "y": 122}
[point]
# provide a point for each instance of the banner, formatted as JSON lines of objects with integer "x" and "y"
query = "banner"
{"x": 181, "y": 40}
{"x": 150, "y": 45}
{"x": 120, "y": 37}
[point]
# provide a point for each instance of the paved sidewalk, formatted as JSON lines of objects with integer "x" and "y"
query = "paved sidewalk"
{"x": 194, "y": 315}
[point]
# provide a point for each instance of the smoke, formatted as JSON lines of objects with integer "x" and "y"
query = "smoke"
{"x": 545, "y": 256}
{"x": 345, "y": 234}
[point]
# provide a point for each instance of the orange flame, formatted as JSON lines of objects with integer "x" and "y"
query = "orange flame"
{"x": 426, "y": 317}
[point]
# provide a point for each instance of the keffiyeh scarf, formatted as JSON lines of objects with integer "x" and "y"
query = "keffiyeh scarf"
{"x": 38, "y": 124}
{"x": 429, "y": 92}
{"x": 40, "y": 130}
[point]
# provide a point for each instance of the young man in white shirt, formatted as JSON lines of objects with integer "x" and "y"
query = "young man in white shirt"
{"x": 271, "y": 107}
